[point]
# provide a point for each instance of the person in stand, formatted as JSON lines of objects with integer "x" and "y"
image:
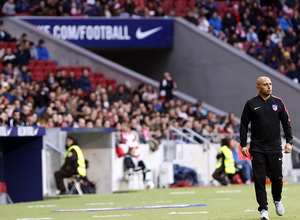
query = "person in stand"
{"x": 74, "y": 163}
{"x": 167, "y": 84}
{"x": 265, "y": 112}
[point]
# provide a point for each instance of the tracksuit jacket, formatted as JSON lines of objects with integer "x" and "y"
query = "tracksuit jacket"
{"x": 265, "y": 117}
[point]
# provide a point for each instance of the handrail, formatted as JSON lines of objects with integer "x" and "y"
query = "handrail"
{"x": 183, "y": 135}
{"x": 195, "y": 134}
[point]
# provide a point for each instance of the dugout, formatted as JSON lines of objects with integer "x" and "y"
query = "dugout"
{"x": 20, "y": 162}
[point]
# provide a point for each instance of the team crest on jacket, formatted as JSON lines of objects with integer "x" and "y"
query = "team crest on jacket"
{"x": 274, "y": 107}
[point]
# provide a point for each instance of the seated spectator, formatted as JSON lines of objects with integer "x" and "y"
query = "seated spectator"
{"x": 74, "y": 163}
{"x": 251, "y": 35}
{"x": 133, "y": 164}
{"x": 293, "y": 74}
{"x": 276, "y": 37}
{"x": 241, "y": 161}
{"x": 42, "y": 50}
{"x": 15, "y": 120}
{"x": 273, "y": 62}
{"x": 228, "y": 23}
{"x": 33, "y": 51}
{"x": 84, "y": 81}
{"x": 203, "y": 23}
{"x": 22, "y": 6}
{"x": 8, "y": 57}
{"x": 8, "y": 70}
{"x": 284, "y": 21}
{"x": 22, "y": 55}
{"x": 290, "y": 38}
{"x": 240, "y": 32}
{"x": 71, "y": 82}
{"x": 122, "y": 93}
{"x": 216, "y": 23}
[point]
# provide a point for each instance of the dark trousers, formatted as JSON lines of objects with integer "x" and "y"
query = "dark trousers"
{"x": 220, "y": 175}
{"x": 267, "y": 165}
{"x": 59, "y": 177}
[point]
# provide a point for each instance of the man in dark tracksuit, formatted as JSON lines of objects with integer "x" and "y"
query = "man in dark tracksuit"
{"x": 265, "y": 112}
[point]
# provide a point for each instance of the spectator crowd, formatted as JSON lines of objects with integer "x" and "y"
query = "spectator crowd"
{"x": 269, "y": 31}
{"x": 67, "y": 101}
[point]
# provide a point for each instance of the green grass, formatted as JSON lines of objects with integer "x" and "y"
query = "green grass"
{"x": 222, "y": 203}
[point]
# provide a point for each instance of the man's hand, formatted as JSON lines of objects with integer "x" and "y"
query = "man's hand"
{"x": 288, "y": 148}
{"x": 245, "y": 151}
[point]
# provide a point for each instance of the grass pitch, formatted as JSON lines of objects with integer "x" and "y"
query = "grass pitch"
{"x": 222, "y": 203}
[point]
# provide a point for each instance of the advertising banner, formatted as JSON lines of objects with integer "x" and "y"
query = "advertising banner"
{"x": 21, "y": 131}
{"x": 109, "y": 33}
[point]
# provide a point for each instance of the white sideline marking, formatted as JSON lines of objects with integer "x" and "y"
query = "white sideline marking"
{"x": 229, "y": 191}
{"x": 33, "y": 218}
{"x": 110, "y": 216}
{"x": 40, "y": 206}
{"x": 182, "y": 193}
{"x": 100, "y": 203}
{"x": 187, "y": 213}
{"x": 248, "y": 210}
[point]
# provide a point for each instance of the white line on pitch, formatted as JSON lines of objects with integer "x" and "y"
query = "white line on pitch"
{"x": 169, "y": 201}
{"x": 41, "y": 206}
{"x": 110, "y": 216}
{"x": 221, "y": 199}
{"x": 33, "y": 218}
{"x": 229, "y": 191}
{"x": 182, "y": 193}
{"x": 187, "y": 213}
{"x": 248, "y": 210}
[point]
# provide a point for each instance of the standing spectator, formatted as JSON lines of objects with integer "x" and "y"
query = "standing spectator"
{"x": 9, "y": 8}
{"x": 265, "y": 112}
{"x": 166, "y": 87}
{"x": 42, "y": 50}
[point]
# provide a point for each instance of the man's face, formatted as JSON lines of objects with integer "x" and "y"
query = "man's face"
{"x": 264, "y": 86}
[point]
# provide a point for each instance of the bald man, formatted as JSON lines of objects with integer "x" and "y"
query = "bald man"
{"x": 265, "y": 112}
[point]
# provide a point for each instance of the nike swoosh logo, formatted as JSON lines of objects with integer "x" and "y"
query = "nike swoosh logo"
{"x": 280, "y": 158}
{"x": 256, "y": 108}
{"x": 142, "y": 35}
